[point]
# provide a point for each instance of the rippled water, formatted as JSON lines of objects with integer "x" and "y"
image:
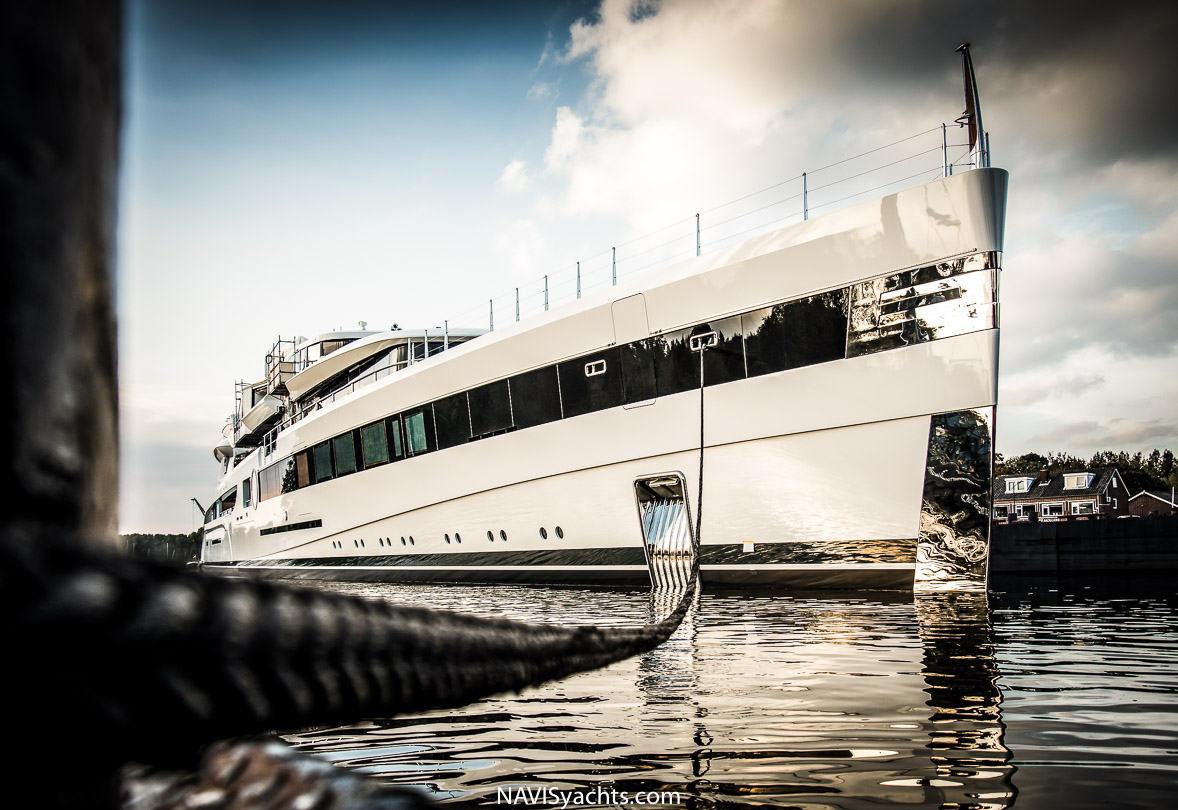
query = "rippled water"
{"x": 1047, "y": 696}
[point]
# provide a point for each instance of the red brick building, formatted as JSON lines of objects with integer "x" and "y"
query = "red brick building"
{"x": 1149, "y": 503}
{"x": 1051, "y": 496}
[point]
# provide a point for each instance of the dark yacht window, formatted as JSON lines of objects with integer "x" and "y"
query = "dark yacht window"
{"x": 490, "y": 409}
{"x": 227, "y": 501}
{"x": 345, "y": 453}
{"x": 394, "y": 428}
{"x": 452, "y": 417}
{"x": 724, "y": 362}
{"x": 677, "y": 366}
{"x": 592, "y": 382}
{"x": 276, "y": 479}
{"x": 329, "y": 346}
{"x": 798, "y": 333}
{"x": 375, "y": 444}
{"x": 535, "y": 397}
{"x": 322, "y": 456}
{"x": 245, "y": 491}
{"x": 419, "y": 429}
{"x": 302, "y": 469}
{"x": 638, "y": 375}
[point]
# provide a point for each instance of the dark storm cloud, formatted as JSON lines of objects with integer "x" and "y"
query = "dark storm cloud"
{"x": 1074, "y": 293}
{"x": 1094, "y": 78}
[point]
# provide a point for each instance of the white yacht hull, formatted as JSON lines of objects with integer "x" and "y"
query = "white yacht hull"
{"x": 824, "y": 475}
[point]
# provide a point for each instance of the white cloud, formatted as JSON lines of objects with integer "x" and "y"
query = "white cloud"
{"x": 514, "y": 176}
{"x": 541, "y": 90}
{"x": 566, "y": 142}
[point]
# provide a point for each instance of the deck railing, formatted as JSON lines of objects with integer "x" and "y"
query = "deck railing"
{"x": 907, "y": 162}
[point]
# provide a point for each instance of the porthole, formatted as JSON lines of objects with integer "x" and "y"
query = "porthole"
{"x": 361, "y": 544}
{"x": 447, "y": 539}
{"x": 402, "y": 541}
{"x": 559, "y": 532}
{"x": 503, "y": 535}
{"x": 543, "y": 533}
{"x": 457, "y": 537}
{"x": 411, "y": 540}
{"x": 491, "y": 536}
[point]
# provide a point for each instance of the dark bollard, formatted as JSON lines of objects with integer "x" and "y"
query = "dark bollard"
{"x": 110, "y": 659}
{"x": 60, "y": 107}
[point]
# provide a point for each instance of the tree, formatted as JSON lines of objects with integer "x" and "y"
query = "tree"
{"x": 1155, "y": 471}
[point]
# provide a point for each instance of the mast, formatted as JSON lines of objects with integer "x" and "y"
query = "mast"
{"x": 979, "y": 155}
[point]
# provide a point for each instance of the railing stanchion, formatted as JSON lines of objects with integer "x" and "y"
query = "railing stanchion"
{"x": 517, "y": 304}
{"x": 492, "y": 302}
{"x": 805, "y": 198}
{"x": 445, "y": 335}
{"x": 578, "y": 279}
{"x": 545, "y": 293}
{"x": 614, "y": 252}
{"x": 944, "y": 152}
{"x": 697, "y": 234}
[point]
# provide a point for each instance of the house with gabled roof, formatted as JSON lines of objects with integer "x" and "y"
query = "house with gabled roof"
{"x": 1050, "y": 496}
{"x": 1152, "y": 503}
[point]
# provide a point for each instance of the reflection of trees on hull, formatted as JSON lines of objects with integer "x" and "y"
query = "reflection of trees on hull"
{"x": 955, "y": 511}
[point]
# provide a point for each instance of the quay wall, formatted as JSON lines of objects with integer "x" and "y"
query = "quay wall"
{"x": 1132, "y": 544}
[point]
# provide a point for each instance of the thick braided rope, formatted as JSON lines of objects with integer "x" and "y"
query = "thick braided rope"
{"x": 155, "y": 661}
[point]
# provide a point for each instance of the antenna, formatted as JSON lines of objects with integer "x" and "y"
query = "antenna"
{"x": 972, "y": 117}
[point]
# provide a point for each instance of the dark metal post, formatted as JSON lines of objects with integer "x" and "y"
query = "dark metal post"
{"x": 944, "y": 152}
{"x": 61, "y": 101}
{"x": 805, "y": 198}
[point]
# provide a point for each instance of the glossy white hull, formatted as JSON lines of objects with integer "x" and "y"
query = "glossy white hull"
{"x": 813, "y": 475}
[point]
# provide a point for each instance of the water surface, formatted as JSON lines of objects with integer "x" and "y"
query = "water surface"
{"x": 819, "y": 700}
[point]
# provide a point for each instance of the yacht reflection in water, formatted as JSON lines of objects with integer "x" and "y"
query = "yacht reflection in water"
{"x": 813, "y": 701}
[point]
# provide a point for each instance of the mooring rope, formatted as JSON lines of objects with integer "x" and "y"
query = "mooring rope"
{"x": 155, "y": 661}
{"x": 699, "y": 505}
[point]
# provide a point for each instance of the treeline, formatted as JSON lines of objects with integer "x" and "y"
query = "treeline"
{"x": 1155, "y": 470}
{"x": 178, "y": 548}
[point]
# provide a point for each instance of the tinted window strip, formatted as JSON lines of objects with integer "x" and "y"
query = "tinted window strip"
{"x": 293, "y": 527}
{"x": 800, "y": 332}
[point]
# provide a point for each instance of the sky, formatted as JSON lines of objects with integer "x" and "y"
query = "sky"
{"x": 290, "y": 168}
